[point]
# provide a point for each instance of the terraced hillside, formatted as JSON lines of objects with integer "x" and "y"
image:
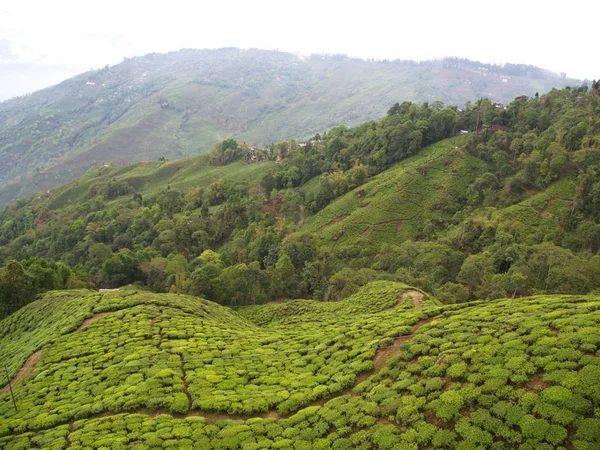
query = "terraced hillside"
{"x": 394, "y": 205}
{"x": 509, "y": 209}
{"x": 386, "y": 368}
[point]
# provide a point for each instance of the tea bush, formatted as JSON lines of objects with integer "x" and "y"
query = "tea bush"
{"x": 170, "y": 371}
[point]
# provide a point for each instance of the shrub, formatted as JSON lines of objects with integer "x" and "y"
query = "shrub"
{"x": 457, "y": 371}
{"x": 533, "y": 428}
{"x": 557, "y": 395}
{"x": 556, "y": 434}
{"x": 588, "y": 430}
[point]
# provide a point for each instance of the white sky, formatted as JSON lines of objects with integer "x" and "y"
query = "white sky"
{"x": 78, "y": 35}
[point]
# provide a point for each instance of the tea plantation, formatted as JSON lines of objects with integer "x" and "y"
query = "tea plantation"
{"x": 386, "y": 368}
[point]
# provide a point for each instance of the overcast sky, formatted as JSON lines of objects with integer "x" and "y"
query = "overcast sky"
{"x": 43, "y": 42}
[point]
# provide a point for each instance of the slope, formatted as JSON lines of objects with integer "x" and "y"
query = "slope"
{"x": 149, "y": 178}
{"x": 180, "y": 103}
{"x": 508, "y": 209}
{"x": 152, "y": 374}
{"x": 395, "y": 205}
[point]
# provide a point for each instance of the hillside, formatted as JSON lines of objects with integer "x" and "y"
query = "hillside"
{"x": 508, "y": 209}
{"x": 394, "y": 205}
{"x": 179, "y": 104}
{"x": 387, "y": 368}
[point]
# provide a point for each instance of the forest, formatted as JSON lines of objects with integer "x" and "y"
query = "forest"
{"x": 491, "y": 201}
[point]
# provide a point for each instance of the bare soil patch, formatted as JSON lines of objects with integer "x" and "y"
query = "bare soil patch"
{"x": 25, "y": 371}
{"x": 536, "y": 384}
{"x": 334, "y": 221}
{"x": 417, "y": 297}
{"x": 86, "y": 322}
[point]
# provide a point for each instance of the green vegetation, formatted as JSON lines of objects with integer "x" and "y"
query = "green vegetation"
{"x": 355, "y": 226}
{"x": 179, "y": 104}
{"x": 507, "y": 210}
{"x": 373, "y": 370}
{"x": 20, "y": 282}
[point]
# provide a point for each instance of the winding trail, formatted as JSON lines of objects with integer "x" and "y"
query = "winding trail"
{"x": 23, "y": 372}
{"x": 382, "y": 356}
{"x": 385, "y": 353}
{"x": 86, "y": 322}
{"x": 34, "y": 357}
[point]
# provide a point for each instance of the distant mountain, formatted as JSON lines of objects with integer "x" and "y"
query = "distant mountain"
{"x": 180, "y": 103}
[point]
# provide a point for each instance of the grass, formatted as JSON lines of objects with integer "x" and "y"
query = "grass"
{"x": 395, "y": 205}
{"x": 170, "y": 371}
{"x": 148, "y": 178}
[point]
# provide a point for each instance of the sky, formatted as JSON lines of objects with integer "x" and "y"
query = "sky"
{"x": 43, "y": 42}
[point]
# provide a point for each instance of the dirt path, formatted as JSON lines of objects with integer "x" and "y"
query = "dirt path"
{"x": 86, "y": 322}
{"x": 385, "y": 353}
{"x": 25, "y": 371}
{"x": 381, "y": 358}
{"x": 417, "y": 297}
{"x": 30, "y": 363}
{"x": 334, "y": 221}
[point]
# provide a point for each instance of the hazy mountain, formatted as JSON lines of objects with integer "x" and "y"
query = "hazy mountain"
{"x": 180, "y": 103}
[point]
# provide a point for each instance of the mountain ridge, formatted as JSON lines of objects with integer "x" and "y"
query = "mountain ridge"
{"x": 181, "y": 103}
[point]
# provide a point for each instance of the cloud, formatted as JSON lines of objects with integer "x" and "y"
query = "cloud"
{"x": 93, "y": 34}
{"x": 6, "y": 51}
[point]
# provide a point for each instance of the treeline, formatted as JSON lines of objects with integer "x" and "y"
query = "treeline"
{"x": 21, "y": 281}
{"x": 238, "y": 242}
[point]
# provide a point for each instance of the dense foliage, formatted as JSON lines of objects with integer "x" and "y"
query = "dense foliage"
{"x": 507, "y": 210}
{"x": 180, "y": 103}
{"x": 21, "y": 281}
{"x": 150, "y": 374}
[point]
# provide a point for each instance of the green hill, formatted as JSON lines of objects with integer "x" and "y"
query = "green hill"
{"x": 394, "y": 205}
{"x": 179, "y": 104}
{"x": 508, "y": 209}
{"x": 387, "y": 368}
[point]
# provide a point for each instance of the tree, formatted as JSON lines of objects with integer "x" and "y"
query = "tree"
{"x": 475, "y": 269}
{"x": 443, "y": 124}
{"x": 203, "y": 279}
{"x": 268, "y": 184}
{"x": 16, "y": 286}
{"x": 177, "y": 266}
{"x": 121, "y": 269}
{"x": 284, "y": 278}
